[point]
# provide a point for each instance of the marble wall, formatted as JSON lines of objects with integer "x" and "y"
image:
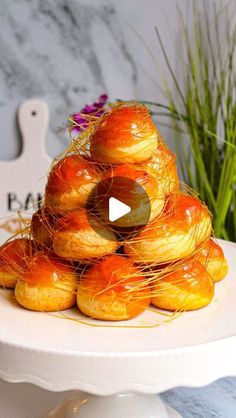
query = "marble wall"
{"x": 70, "y": 51}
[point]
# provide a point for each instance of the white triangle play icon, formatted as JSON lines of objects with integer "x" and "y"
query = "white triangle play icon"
{"x": 117, "y": 209}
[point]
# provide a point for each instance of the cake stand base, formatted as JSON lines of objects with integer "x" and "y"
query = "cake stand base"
{"x": 123, "y": 405}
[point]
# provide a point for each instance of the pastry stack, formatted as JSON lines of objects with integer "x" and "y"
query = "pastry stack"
{"x": 71, "y": 256}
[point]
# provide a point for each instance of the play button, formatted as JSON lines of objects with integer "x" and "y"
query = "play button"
{"x": 121, "y": 203}
{"x": 117, "y": 209}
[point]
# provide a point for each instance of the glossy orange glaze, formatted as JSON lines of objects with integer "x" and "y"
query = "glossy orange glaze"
{"x": 190, "y": 277}
{"x": 211, "y": 250}
{"x": 42, "y": 225}
{"x": 69, "y": 173}
{"x": 46, "y": 270}
{"x": 124, "y": 126}
{"x": 73, "y": 221}
{"x": 161, "y": 157}
{"x": 162, "y": 165}
{"x": 212, "y": 257}
{"x": 189, "y": 287}
{"x": 77, "y": 238}
{"x": 113, "y": 289}
{"x": 130, "y": 171}
{"x": 14, "y": 255}
{"x": 130, "y": 191}
{"x": 114, "y": 274}
{"x": 181, "y": 212}
{"x": 181, "y": 206}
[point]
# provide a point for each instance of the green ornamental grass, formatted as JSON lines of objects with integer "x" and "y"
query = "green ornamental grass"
{"x": 203, "y": 111}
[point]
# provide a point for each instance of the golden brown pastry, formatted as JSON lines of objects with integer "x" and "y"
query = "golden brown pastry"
{"x": 41, "y": 229}
{"x": 184, "y": 225}
{"x": 186, "y": 288}
{"x": 126, "y": 134}
{"x": 14, "y": 256}
{"x": 113, "y": 290}
{"x": 137, "y": 188}
{"x": 69, "y": 184}
{"x": 76, "y": 238}
{"x": 48, "y": 284}
{"x": 162, "y": 165}
{"x": 212, "y": 257}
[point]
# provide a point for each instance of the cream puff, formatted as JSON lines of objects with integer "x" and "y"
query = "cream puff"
{"x": 41, "y": 228}
{"x": 212, "y": 257}
{"x": 77, "y": 238}
{"x": 126, "y": 134}
{"x": 113, "y": 290}
{"x": 69, "y": 184}
{"x": 184, "y": 225}
{"x": 162, "y": 165}
{"x": 186, "y": 288}
{"x": 48, "y": 284}
{"x": 135, "y": 186}
{"x": 14, "y": 256}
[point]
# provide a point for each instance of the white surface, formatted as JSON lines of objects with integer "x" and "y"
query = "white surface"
{"x": 129, "y": 405}
{"x": 25, "y": 176}
{"x": 117, "y": 209}
{"x": 59, "y": 354}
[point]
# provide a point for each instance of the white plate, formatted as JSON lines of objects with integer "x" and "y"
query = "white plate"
{"x": 59, "y": 354}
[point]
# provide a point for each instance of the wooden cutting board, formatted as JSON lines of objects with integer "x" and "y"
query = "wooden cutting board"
{"x": 22, "y": 180}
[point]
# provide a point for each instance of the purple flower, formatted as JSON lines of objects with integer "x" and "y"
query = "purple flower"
{"x": 96, "y": 109}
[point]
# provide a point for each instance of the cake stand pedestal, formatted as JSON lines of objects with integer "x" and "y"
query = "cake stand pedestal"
{"x": 118, "y": 368}
{"x": 123, "y": 405}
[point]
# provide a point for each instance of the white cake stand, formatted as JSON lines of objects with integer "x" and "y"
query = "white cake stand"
{"x": 117, "y": 370}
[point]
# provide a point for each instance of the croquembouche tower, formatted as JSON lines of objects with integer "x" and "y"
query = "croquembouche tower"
{"x": 162, "y": 253}
{"x": 161, "y": 257}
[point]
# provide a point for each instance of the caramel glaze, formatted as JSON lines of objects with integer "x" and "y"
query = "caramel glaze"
{"x": 46, "y": 269}
{"x": 42, "y": 227}
{"x": 114, "y": 274}
{"x": 184, "y": 224}
{"x": 77, "y": 238}
{"x": 69, "y": 183}
{"x": 190, "y": 276}
{"x": 14, "y": 255}
{"x": 70, "y": 172}
{"x": 113, "y": 289}
{"x": 211, "y": 250}
{"x": 124, "y": 126}
{"x": 130, "y": 191}
{"x": 162, "y": 165}
{"x": 212, "y": 257}
{"x": 181, "y": 212}
{"x": 126, "y": 134}
{"x": 187, "y": 288}
{"x": 76, "y": 220}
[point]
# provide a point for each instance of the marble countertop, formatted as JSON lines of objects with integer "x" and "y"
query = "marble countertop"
{"x": 217, "y": 400}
